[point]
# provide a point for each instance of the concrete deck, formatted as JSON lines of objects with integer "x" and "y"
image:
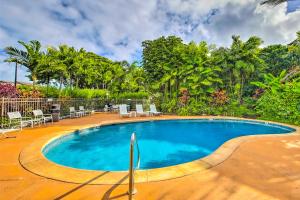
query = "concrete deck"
{"x": 259, "y": 168}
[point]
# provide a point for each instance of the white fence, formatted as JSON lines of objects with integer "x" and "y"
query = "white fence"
{"x": 27, "y": 105}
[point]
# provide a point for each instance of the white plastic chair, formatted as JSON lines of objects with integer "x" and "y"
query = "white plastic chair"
{"x": 84, "y": 111}
{"x": 16, "y": 117}
{"x": 38, "y": 114}
{"x": 123, "y": 111}
{"x": 140, "y": 110}
{"x": 153, "y": 110}
{"x": 74, "y": 113}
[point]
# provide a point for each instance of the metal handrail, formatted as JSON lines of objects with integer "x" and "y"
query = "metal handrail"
{"x": 133, "y": 141}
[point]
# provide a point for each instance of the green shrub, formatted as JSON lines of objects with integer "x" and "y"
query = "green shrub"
{"x": 282, "y": 107}
{"x": 169, "y": 106}
{"x": 83, "y": 93}
{"x": 51, "y": 91}
{"x": 131, "y": 95}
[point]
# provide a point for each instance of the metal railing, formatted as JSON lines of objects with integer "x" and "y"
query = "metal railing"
{"x": 26, "y": 105}
{"x": 133, "y": 140}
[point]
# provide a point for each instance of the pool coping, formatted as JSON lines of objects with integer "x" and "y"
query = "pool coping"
{"x": 32, "y": 159}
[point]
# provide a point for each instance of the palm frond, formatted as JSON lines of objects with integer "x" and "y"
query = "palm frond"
{"x": 272, "y": 2}
{"x": 16, "y": 55}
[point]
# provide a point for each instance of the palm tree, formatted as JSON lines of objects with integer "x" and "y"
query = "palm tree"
{"x": 28, "y": 58}
{"x": 33, "y": 51}
{"x": 273, "y": 2}
{"x": 17, "y": 56}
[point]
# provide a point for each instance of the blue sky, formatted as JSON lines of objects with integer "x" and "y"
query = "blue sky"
{"x": 293, "y": 5}
{"x": 116, "y": 28}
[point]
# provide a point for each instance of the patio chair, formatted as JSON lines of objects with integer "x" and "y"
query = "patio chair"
{"x": 75, "y": 113}
{"x": 106, "y": 108}
{"x": 38, "y": 114}
{"x": 153, "y": 110}
{"x": 115, "y": 108}
{"x": 84, "y": 111}
{"x": 140, "y": 111}
{"x": 16, "y": 117}
{"x": 123, "y": 111}
{"x": 4, "y": 131}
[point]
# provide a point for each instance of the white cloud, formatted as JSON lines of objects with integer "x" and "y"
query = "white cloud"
{"x": 117, "y": 28}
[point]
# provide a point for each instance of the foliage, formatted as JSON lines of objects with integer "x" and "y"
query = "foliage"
{"x": 83, "y": 93}
{"x": 131, "y": 95}
{"x": 29, "y": 92}
{"x": 276, "y": 58}
{"x": 8, "y": 90}
{"x": 219, "y": 97}
{"x": 281, "y": 98}
{"x": 241, "y": 63}
{"x": 184, "y": 96}
{"x": 282, "y": 107}
{"x": 244, "y": 79}
{"x": 273, "y": 2}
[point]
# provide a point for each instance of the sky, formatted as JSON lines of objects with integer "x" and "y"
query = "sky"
{"x": 116, "y": 28}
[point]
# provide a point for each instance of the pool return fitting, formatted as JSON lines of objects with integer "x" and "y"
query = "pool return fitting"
{"x": 133, "y": 141}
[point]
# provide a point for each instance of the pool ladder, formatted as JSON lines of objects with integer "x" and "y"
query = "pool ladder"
{"x": 133, "y": 140}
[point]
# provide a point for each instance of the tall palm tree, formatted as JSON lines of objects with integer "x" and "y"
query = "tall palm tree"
{"x": 28, "y": 58}
{"x": 33, "y": 50}
{"x": 273, "y": 2}
{"x": 17, "y": 56}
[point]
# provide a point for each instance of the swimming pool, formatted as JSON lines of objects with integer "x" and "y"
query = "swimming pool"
{"x": 162, "y": 143}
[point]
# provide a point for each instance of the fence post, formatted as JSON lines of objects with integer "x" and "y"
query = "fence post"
{"x": 2, "y": 112}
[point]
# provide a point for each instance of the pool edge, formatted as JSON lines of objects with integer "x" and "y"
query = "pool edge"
{"x": 33, "y": 160}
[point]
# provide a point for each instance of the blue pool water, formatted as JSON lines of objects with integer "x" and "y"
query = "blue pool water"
{"x": 161, "y": 143}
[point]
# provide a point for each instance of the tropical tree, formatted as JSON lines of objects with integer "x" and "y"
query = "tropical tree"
{"x": 294, "y": 51}
{"x": 17, "y": 56}
{"x": 156, "y": 53}
{"x": 28, "y": 58}
{"x": 240, "y": 64}
{"x": 281, "y": 96}
{"x": 276, "y": 58}
{"x": 134, "y": 79}
{"x": 51, "y": 67}
{"x": 196, "y": 73}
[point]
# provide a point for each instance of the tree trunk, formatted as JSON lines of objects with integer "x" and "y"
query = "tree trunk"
{"x": 33, "y": 76}
{"x": 48, "y": 81}
{"x": 60, "y": 84}
{"x": 177, "y": 87}
{"x": 16, "y": 74}
{"x": 241, "y": 89}
{"x": 170, "y": 91}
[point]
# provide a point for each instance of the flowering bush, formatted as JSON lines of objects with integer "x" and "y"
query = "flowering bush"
{"x": 8, "y": 90}
{"x": 26, "y": 91}
{"x": 184, "y": 96}
{"x": 220, "y": 97}
{"x": 258, "y": 93}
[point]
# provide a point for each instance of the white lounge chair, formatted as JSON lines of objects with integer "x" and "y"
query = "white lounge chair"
{"x": 153, "y": 110}
{"x": 84, "y": 111}
{"x": 140, "y": 111}
{"x": 123, "y": 111}
{"x": 16, "y": 117}
{"x": 4, "y": 131}
{"x": 106, "y": 108}
{"x": 38, "y": 114}
{"x": 115, "y": 108}
{"x": 75, "y": 113}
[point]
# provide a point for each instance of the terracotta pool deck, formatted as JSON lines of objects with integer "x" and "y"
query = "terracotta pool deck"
{"x": 260, "y": 168}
